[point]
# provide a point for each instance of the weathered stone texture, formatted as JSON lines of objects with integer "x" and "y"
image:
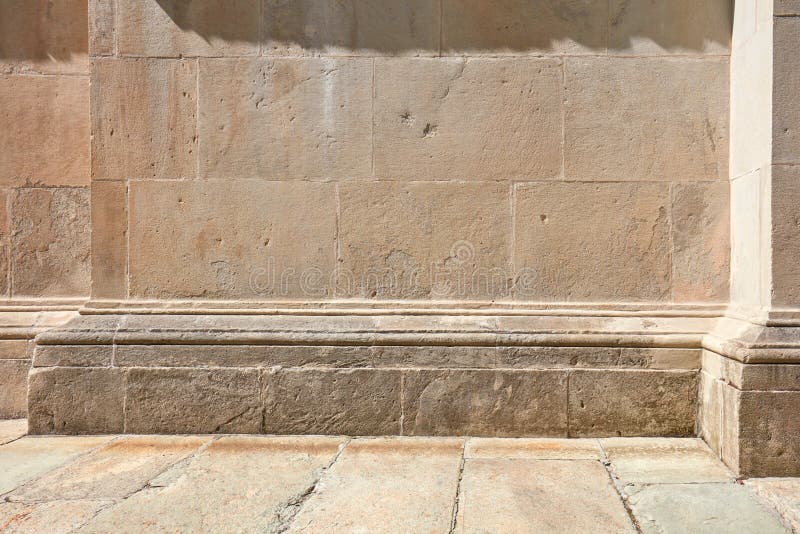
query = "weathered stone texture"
{"x": 454, "y": 241}
{"x": 651, "y": 119}
{"x": 785, "y": 252}
{"x": 351, "y": 27}
{"x": 632, "y": 403}
{"x": 43, "y": 36}
{"x": 64, "y": 400}
{"x": 13, "y": 388}
{"x": 50, "y": 242}
{"x": 102, "y": 34}
{"x": 45, "y": 134}
{"x": 73, "y": 355}
{"x": 176, "y": 28}
{"x": 286, "y": 119}
{"x": 514, "y": 27}
{"x": 54, "y": 516}
{"x": 593, "y": 242}
{"x": 109, "y": 239}
{"x": 349, "y": 402}
{"x": 786, "y": 85}
{"x": 260, "y": 242}
{"x": 533, "y": 449}
{"x": 768, "y": 433}
{"x": 485, "y": 403}
{"x": 144, "y": 114}
{"x": 192, "y": 401}
{"x": 467, "y": 119}
{"x": 700, "y": 242}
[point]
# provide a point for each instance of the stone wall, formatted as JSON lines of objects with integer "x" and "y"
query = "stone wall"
{"x": 458, "y": 151}
{"x": 44, "y": 176}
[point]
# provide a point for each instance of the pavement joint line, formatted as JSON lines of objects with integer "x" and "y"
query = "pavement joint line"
{"x": 287, "y": 512}
{"x": 454, "y": 518}
{"x": 605, "y": 462}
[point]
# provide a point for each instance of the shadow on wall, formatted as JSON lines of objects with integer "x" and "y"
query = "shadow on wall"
{"x": 461, "y": 26}
{"x": 34, "y": 30}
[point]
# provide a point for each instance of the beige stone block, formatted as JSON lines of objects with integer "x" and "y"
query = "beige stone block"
{"x": 355, "y": 402}
{"x": 14, "y": 388}
{"x": 783, "y": 494}
{"x": 351, "y": 27}
{"x": 45, "y": 134}
{"x": 14, "y": 349}
{"x": 664, "y": 359}
{"x": 786, "y": 7}
{"x": 30, "y": 457}
{"x": 184, "y": 401}
{"x": 65, "y": 400}
{"x": 785, "y": 245}
{"x": 700, "y": 242}
{"x": 424, "y": 240}
{"x": 617, "y": 248}
{"x": 259, "y": 243}
{"x": 632, "y": 403}
{"x": 649, "y": 119}
{"x": 43, "y": 36}
{"x": 73, "y": 355}
{"x": 785, "y": 86}
{"x": 102, "y": 34}
{"x": 671, "y": 27}
{"x": 109, "y": 239}
{"x": 286, "y": 119}
{"x": 664, "y": 461}
{"x": 768, "y": 433}
{"x": 144, "y": 114}
{"x": 729, "y": 428}
{"x": 50, "y": 242}
{"x": 11, "y": 429}
{"x": 56, "y": 516}
{"x": 519, "y": 27}
{"x": 502, "y": 495}
{"x": 176, "y": 28}
{"x": 485, "y": 403}
{"x": 709, "y": 418}
{"x": 467, "y": 119}
{"x": 115, "y": 471}
{"x": 748, "y": 286}
{"x": 248, "y": 482}
{"x": 409, "y": 485}
{"x": 533, "y": 449}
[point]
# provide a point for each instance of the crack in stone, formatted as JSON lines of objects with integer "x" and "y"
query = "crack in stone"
{"x": 287, "y": 512}
{"x": 454, "y": 520}
{"x": 617, "y": 487}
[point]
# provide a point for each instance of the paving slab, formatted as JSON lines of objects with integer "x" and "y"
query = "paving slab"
{"x": 514, "y": 495}
{"x": 29, "y": 457}
{"x": 533, "y": 449}
{"x": 783, "y": 494}
{"x": 12, "y": 429}
{"x": 237, "y": 484}
{"x": 112, "y": 472}
{"x": 664, "y": 460}
{"x": 51, "y": 517}
{"x": 397, "y": 484}
{"x": 701, "y": 508}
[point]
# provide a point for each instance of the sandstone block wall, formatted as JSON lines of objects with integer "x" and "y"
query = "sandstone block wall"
{"x": 457, "y": 150}
{"x": 44, "y": 173}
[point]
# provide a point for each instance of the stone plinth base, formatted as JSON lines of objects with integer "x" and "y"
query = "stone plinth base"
{"x": 750, "y": 397}
{"x": 392, "y": 374}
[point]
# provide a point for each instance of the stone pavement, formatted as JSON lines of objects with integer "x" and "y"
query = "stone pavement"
{"x": 338, "y": 484}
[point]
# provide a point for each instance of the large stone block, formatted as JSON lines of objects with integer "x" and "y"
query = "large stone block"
{"x": 355, "y": 402}
{"x": 785, "y": 245}
{"x": 144, "y": 114}
{"x": 424, "y": 240}
{"x": 769, "y": 433}
{"x": 50, "y": 242}
{"x": 351, "y": 27}
{"x": 286, "y": 119}
{"x": 485, "y": 403}
{"x": 13, "y": 388}
{"x": 785, "y": 87}
{"x": 102, "y": 19}
{"x": 187, "y": 401}
{"x": 43, "y": 36}
{"x": 176, "y": 28}
{"x": 63, "y": 400}
{"x": 260, "y": 242}
{"x": 109, "y": 239}
{"x": 646, "y": 119}
{"x": 45, "y": 134}
{"x": 700, "y": 242}
{"x": 593, "y": 242}
{"x": 632, "y": 403}
{"x": 670, "y": 27}
{"x": 512, "y": 27}
{"x": 459, "y": 119}
{"x": 709, "y": 418}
